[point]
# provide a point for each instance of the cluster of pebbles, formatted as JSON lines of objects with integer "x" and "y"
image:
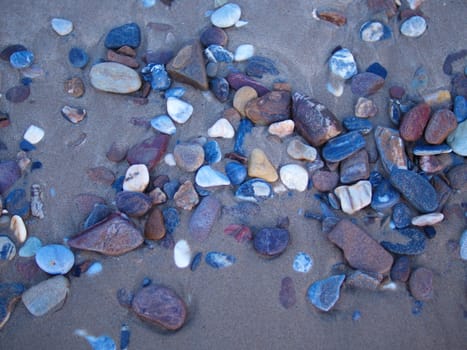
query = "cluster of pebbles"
{"x": 406, "y": 172}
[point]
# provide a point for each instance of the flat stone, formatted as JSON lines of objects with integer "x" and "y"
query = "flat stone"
{"x": 362, "y": 280}
{"x": 413, "y": 27}
{"x": 440, "y": 125}
{"x": 421, "y": 284}
{"x": 342, "y": 64}
{"x": 149, "y": 152}
{"x": 414, "y": 242}
{"x": 414, "y": 122}
{"x": 237, "y": 80}
{"x": 7, "y": 248}
{"x": 391, "y": 149}
{"x": 179, "y": 110}
{"x": 324, "y": 294}
{"x": 78, "y": 57}
{"x": 114, "y": 236}
{"x": 301, "y": 151}
{"x": 114, "y": 77}
{"x": 354, "y": 168}
{"x": 324, "y": 181}
{"x": 302, "y": 262}
{"x": 287, "y": 294}
{"x": 400, "y": 271}
{"x": 10, "y": 294}
{"x": 128, "y": 61}
{"x": 18, "y": 94}
{"x": 226, "y": 16}
{"x": 154, "y": 227}
{"x": 61, "y": 26}
{"x": 355, "y": 197}
{"x": 423, "y": 149}
{"x": 416, "y": 189}
{"x": 46, "y": 296}
{"x": 458, "y": 177}
{"x": 34, "y": 134}
{"x": 136, "y": 178}
{"x": 55, "y": 259}
{"x": 260, "y": 166}
{"x": 270, "y": 108}
{"x": 204, "y": 217}
{"x": 186, "y": 196}
{"x": 282, "y": 129}
{"x": 373, "y": 31}
{"x": 458, "y": 139}
{"x": 126, "y": 35}
{"x": 222, "y": 128}
{"x": 427, "y": 219}
{"x": 271, "y": 242}
{"x": 189, "y": 156}
{"x": 74, "y": 87}
{"x": 188, "y": 66}
{"x": 366, "y": 84}
{"x": 134, "y": 204}
{"x": 242, "y": 96}
{"x": 30, "y": 247}
{"x": 384, "y": 196}
{"x": 209, "y": 177}
{"x": 254, "y": 190}
{"x": 361, "y": 251}
{"x": 343, "y": 146}
{"x": 212, "y": 152}
{"x": 365, "y": 108}
{"x": 117, "y": 152}
{"x": 294, "y": 177}
{"x": 214, "y": 36}
{"x": 161, "y": 306}
{"x": 182, "y": 254}
{"x": 314, "y": 121}
{"x": 462, "y": 246}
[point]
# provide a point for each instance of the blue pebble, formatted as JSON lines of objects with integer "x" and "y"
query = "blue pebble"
{"x": 245, "y": 127}
{"x": 7, "y": 248}
{"x": 219, "y": 260}
{"x": 21, "y": 59}
{"x": 78, "y": 57}
{"x": 16, "y": 202}
{"x": 118, "y": 184}
{"x": 375, "y": 178}
{"x": 356, "y": 315}
{"x": 125, "y": 335}
{"x": 417, "y": 307}
{"x": 171, "y": 219}
{"x": 55, "y": 259}
{"x": 101, "y": 343}
{"x": 342, "y": 147}
{"x": 430, "y": 232}
{"x": 30, "y": 247}
{"x": 415, "y": 246}
{"x": 196, "y": 261}
{"x": 423, "y": 149}
{"x": 361, "y": 125}
{"x": 377, "y": 69}
{"x": 220, "y": 88}
{"x": 170, "y": 188}
{"x": 127, "y": 34}
{"x": 26, "y": 146}
{"x": 202, "y": 191}
{"x": 374, "y": 31}
{"x": 324, "y": 293}
{"x": 146, "y": 282}
{"x": 157, "y": 76}
{"x": 460, "y": 108}
{"x": 236, "y": 172}
{"x": 395, "y": 114}
{"x": 384, "y": 196}
{"x": 401, "y": 215}
{"x": 302, "y": 262}
{"x": 342, "y": 64}
{"x": 254, "y": 190}
{"x": 175, "y": 92}
{"x": 216, "y": 53}
{"x": 212, "y": 152}
{"x": 26, "y": 81}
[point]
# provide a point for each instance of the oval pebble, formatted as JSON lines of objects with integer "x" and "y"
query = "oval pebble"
{"x": 244, "y": 52}
{"x": 226, "y": 16}
{"x": 271, "y": 242}
{"x": 209, "y": 177}
{"x": 182, "y": 254}
{"x": 61, "y": 26}
{"x": 342, "y": 64}
{"x": 374, "y": 31}
{"x": 114, "y": 77}
{"x": 78, "y": 57}
{"x": 302, "y": 262}
{"x": 21, "y": 59}
{"x": 212, "y": 152}
{"x": 136, "y": 178}
{"x": 55, "y": 259}
{"x": 294, "y": 177}
{"x": 164, "y": 124}
{"x": 413, "y": 27}
{"x": 18, "y": 94}
{"x": 287, "y": 294}
{"x": 236, "y": 172}
{"x": 219, "y": 260}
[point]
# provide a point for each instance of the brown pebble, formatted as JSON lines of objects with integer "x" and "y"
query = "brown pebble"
{"x": 458, "y": 177}
{"x": 74, "y": 87}
{"x": 17, "y": 94}
{"x": 146, "y": 89}
{"x": 214, "y": 36}
{"x": 117, "y": 152}
{"x": 127, "y": 51}
{"x": 435, "y": 163}
{"x": 4, "y": 119}
{"x": 158, "y": 196}
{"x": 366, "y": 84}
{"x": 440, "y": 125}
{"x": 324, "y": 181}
{"x": 414, "y": 122}
{"x": 333, "y": 17}
{"x": 232, "y": 115}
{"x": 421, "y": 284}
{"x": 160, "y": 181}
{"x": 123, "y": 59}
{"x": 271, "y": 108}
{"x": 154, "y": 228}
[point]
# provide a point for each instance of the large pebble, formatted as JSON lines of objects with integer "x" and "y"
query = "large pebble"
{"x": 73, "y": 114}
{"x": 209, "y": 177}
{"x": 219, "y": 260}
{"x": 242, "y": 96}
{"x": 260, "y": 166}
{"x": 55, "y": 259}
{"x": 136, "y": 178}
{"x": 222, "y": 128}
{"x": 161, "y": 306}
{"x": 342, "y": 64}
{"x": 182, "y": 254}
{"x": 204, "y": 217}
{"x": 254, "y": 190}
{"x": 7, "y": 248}
{"x": 343, "y": 146}
{"x": 440, "y": 125}
{"x": 354, "y": 168}
{"x": 126, "y": 35}
{"x": 391, "y": 148}
{"x": 164, "y": 124}
{"x": 189, "y": 156}
{"x": 10, "y": 294}
{"x": 179, "y": 110}
{"x": 149, "y": 151}
{"x": 458, "y": 139}
{"x": 154, "y": 227}
{"x": 414, "y": 246}
{"x": 188, "y": 66}
{"x": 271, "y": 242}
{"x": 18, "y": 94}
{"x": 213, "y": 36}
{"x": 287, "y": 294}
{"x": 301, "y": 151}
{"x": 46, "y": 296}
{"x": 421, "y": 284}
{"x": 400, "y": 271}
{"x": 282, "y": 129}
{"x": 114, "y": 77}
{"x": 226, "y": 16}
{"x": 294, "y": 177}
{"x": 413, "y": 27}
{"x": 366, "y": 84}
{"x": 463, "y": 246}
{"x": 61, "y": 26}
{"x": 269, "y": 108}
{"x": 324, "y": 294}
{"x": 21, "y": 59}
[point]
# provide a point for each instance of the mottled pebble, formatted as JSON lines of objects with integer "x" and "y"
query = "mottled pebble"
{"x": 189, "y": 156}
{"x": 47, "y": 296}
{"x": 257, "y": 66}
{"x": 342, "y": 64}
{"x": 354, "y": 168}
{"x": 366, "y": 84}
{"x": 362, "y": 280}
{"x": 236, "y": 172}
{"x": 136, "y": 178}
{"x": 114, "y": 77}
{"x": 219, "y": 260}
{"x": 157, "y": 75}
{"x": 55, "y": 259}
{"x": 440, "y": 125}
{"x": 74, "y": 115}
{"x": 294, "y": 177}
{"x": 182, "y": 254}
{"x": 282, "y": 128}
{"x": 374, "y": 31}
{"x": 186, "y": 197}
{"x": 6, "y": 53}
{"x": 254, "y": 190}
{"x": 220, "y": 88}
{"x": 21, "y": 59}
{"x": 421, "y": 284}
{"x": 325, "y": 293}
{"x": 365, "y": 108}
{"x": 217, "y": 53}
{"x": 179, "y": 110}
{"x": 61, "y": 26}
{"x": 287, "y": 294}
{"x": 271, "y": 242}
{"x": 330, "y": 16}
{"x": 390, "y": 148}
{"x": 78, "y": 57}
{"x": 302, "y": 262}
{"x": 212, "y": 152}
{"x": 163, "y": 124}
{"x": 324, "y": 180}
{"x": 413, "y": 27}
{"x": 343, "y": 146}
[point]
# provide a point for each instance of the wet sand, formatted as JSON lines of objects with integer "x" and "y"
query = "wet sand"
{"x": 237, "y": 307}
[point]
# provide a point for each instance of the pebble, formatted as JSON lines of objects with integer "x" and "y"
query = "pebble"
{"x": 157, "y": 76}
{"x": 186, "y": 197}
{"x": 216, "y": 54}
{"x": 74, "y": 87}
{"x": 243, "y": 129}
{"x": 438, "y": 98}
{"x": 219, "y": 260}
{"x": 354, "y": 168}
{"x": 324, "y": 294}
{"x": 282, "y": 129}
{"x": 163, "y": 124}
{"x": 270, "y": 108}
{"x": 330, "y": 16}
{"x": 463, "y": 245}
{"x": 10, "y": 294}
{"x": 294, "y": 177}
{"x": 257, "y": 66}
{"x": 136, "y": 178}
{"x": 366, "y": 84}
{"x": 78, "y": 57}
{"x": 302, "y": 262}
{"x": 458, "y": 139}
{"x": 362, "y": 280}
{"x": 18, "y": 94}
{"x": 226, "y": 16}
{"x": 149, "y": 152}
{"x": 188, "y": 66}
{"x": 134, "y": 204}
{"x": 160, "y": 306}
{"x": 222, "y": 128}
{"x": 7, "y": 248}
{"x": 114, "y": 77}
{"x": 271, "y": 241}
{"x": 236, "y": 172}
{"x": 401, "y": 215}
{"x": 61, "y": 26}
{"x": 99, "y": 212}
{"x": 460, "y": 108}
{"x": 260, "y": 166}
{"x": 204, "y": 217}
{"x": 343, "y": 146}
{"x": 361, "y": 251}
{"x": 342, "y": 64}
{"x": 254, "y": 190}
{"x": 400, "y": 271}
{"x": 17, "y": 203}
{"x": 102, "y": 342}
{"x": 241, "y": 233}
{"x": 179, "y": 110}
{"x": 415, "y": 245}
{"x": 365, "y": 108}
{"x": 458, "y": 177}
{"x": 242, "y": 96}
{"x": 238, "y": 80}
{"x": 314, "y": 121}
{"x": 126, "y": 35}
{"x": 189, "y": 156}
{"x": 244, "y": 52}
{"x": 182, "y": 254}
{"x": 439, "y": 126}
{"x": 212, "y": 152}
{"x": 301, "y": 151}
{"x": 154, "y": 227}
{"x": 30, "y": 247}
{"x": 11, "y": 49}
{"x": 422, "y": 149}
{"x": 209, "y": 177}
{"x": 427, "y": 219}
{"x": 124, "y": 59}
{"x": 391, "y": 148}
{"x": 21, "y": 59}
{"x": 413, "y": 27}
{"x": 384, "y": 196}
{"x": 416, "y": 189}
{"x": 214, "y": 36}
{"x": 55, "y": 259}
{"x": 34, "y": 134}
{"x": 335, "y": 85}
{"x": 374, "y": 31}
{"x": 113, "y": 236}
{"x": 73, "y": 114}
{"x": 220, "y": 88}
{"x": 47, "y": 296}
{"x": 324, "y": 181}
{"x": 421, "y": 284}
{"x": 377, "y": 69}
{"x": 287, "y": 294}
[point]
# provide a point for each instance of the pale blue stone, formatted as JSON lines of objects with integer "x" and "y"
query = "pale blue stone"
{"x": 254, "y": 190}
{"x": 236, "y": 172}
{"x": 208, "y": 177}
{"x": 55, "y": 259}
{"x": 102, "y": 342}
{"x": 219, "y": 260}
{"x": 302, "y": 262}
{"x": 30, "y": 247}
{"x": 148, "y": 3}
{"x": 342, "y": 64}
{"x": 463, "y": 246}
{"x": 212, "y": 152}
{"x": 460, "y": 108}
{"x": 164, "y": 124}
{"x": 21, "y": 59}
{"x": 157, "y": 76}
{"x": 324, "y": 293}
{"x": 94, "y": 269}
{"x": 216, "y": 53}
{"x": 413, "y": 27}
{"x": 374, "y": 31}
{"x": 245, "y": 127}
{"x": 431, "y": 150}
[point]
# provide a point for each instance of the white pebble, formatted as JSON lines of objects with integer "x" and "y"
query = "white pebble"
{"x": 169, "y": 159}
{"x": 294, "y": 177}
{"x": 94, "y": 269}
{"x": 355, "y": 197}
{"x": 282, "y": 129}
{"x": 182, "y": 254}
{"x": 164, "y": 125}
{"x": 136, "y": 178}
{"x": 226, "y": 16}
{"x": 34, "y": 134}
{"x": 413, "y": 27}
{"x": 19, "y": 228}
{"x": 208, "y": 177}
{"x": 62, "y": 26}
{"x": 222, "y": 128}
{"x": 279, "y": 188}
{"x": 244, "y": 52}
{"x": 180, "y": 111}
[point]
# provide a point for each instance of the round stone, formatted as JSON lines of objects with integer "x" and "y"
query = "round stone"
{"x": 114, "y": 77}
{"x": 421, "y": 284}
{"x": 21, "y": 59}
{"x": 271, "y": 242}
{"x": 214, "y": 36}
{"x": 414, "y": 27}
{"x": 222, "y": 128}
{"x": 78, "y": 57}
{"x": 189, "y": 156}
{"x": 294, "y": 177}
{"x": 55, "y": 259}
{"x": 136, "y": 178}
{"x": 226, "y": 16}
{"x": 74, "y": 87}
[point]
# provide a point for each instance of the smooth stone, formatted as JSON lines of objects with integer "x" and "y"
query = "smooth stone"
{"x": 440, "y": 125}
{"x": 216, "y": 53}
{"x": 463, "y": 246}
{"x": 220, "y": 88}
{"x": 126, "y": 35}
{"x": 188, "y": 66}
{"x": 244, "y": 52}
{"x": 217, "y": 84}
{"x": 243, "y": 129}
{"x": 18, "y": 94}
{"x": 154, "y": 227}
{"x": 294, "y": 177}
{"x": 114, "y": 77}
{"x": 458, "y": 139}
{"x": 416, "y": 189}
{"x": 324, "y": 294}
{"x": 55, "y": 259}
{"x": 208, "y": 177}
{"x": 391, "y": 148}
{"x": 78, "y": 57}
{"x": 189, "y": 156}
{"x": 374, "y": 31}
{"x": 10, "y": 294}
{"x": 355, "y": 197}
{"x": 182, "y": 254}
{"x": 287, "y": 294}
{"x": 99, "y": 212}
{"x": 366, "y": 84}
{"x": 101, "y": 174}
{"x": 163, "y": 124}
{"x": 421, "y": 284}
{"x": 314, "y": 121}
{"x": 74, "y": 87}
{"x": 458, "y": 177}
{"x": 384, "y": 196}
{"x": 21, "y": 59}
{"x": 179, "y": 110}
{"x": 324, "y": 181}
{"x": 219, "y": 260}
{"x": 413, "y": 27}
{"x": 271, "y": 242}
{"x": 282, "y": 129}
{"x": 6, "y": 53}
{"x": 30, "y": 247}
{"x": 177, "y": 91}
{"x": 362, "y": 280}
{"x": 401, "y": 215}
{"x": 301, "y": 151}
{"x": 254, "y": 190}
{"x": 302, "y": 262}
{"x": 434, "y": 164}
{"x": 136, "y": 178}
{"x": 260, "y": 166}
{"x": 17, "y": 203}
{"x": 222, "y": 128}
{"x": 212, "y": 152}
{"x": 26, "y": 147}
{"x": 415, "y": 245}
{"x": 365, "y": 108}
{"x": 460, "y": 108}
{"x": 186, "y": 196}
{"x": 34, "y": 134}
{"x": 73, "y": 114}
{"x": 204, "y": 217}
{"x": 422, "y": 149}
{"x": 47, "y": 296}
{"x": 237, "y": 80}
{"x": 160, "y": 306}
{"x": 270, "y": 108}
{"x": 257, "y": 66}
{"x": 7, "y": 248}
{"x": 157, "y": 75}
{"x": 213, "y": 36}
{"x": 236, "y": 172}
{"x": 343, "y": 146}
{"x": 415, "y": 4}
{"x": 427, "y": 219}
{"x": 226, "y": 16}
{"x": 149, "y": 152}
{"x": 61, "y": 26}
{"x": 342, "y": 64}
{"x": 242, "y": 96}
{"x": 400, "y": 271}
{"x": 170, "y": 188}
{"x": 361, "y": 251}
{"x": 354, "y": 168}
{"x": 134, "y": 204}
{"x": 113, "y": 236}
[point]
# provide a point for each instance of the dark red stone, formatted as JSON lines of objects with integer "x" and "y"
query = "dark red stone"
{"x": 414, "y": 121}
{"x": 324, "y": 181}
{"x": 149, "y": 152}
{"x": 237, "y": 80}
{"x": 204, "y": 218}
{"x": 213, "y": 36}
{"x": 271, "y": 108}
{"x": 440, "y": 125}
{"x": 17, "y": 94}
{"x": 287, "y": 294}
{"x": 366, "y": 84}
{"x": 421, "y": 284}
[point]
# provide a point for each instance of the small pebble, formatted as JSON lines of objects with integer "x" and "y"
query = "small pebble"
{"x": 366, "y": 84}
{"x": 34, "y": 134}
{"x": 126, "y": 35}
{"x": 244, "y": 52}
{"x": 208, "y": 177}
{"x": 74, "y": 87}
{"x": 282, "y": 129}
{"x": 324, "y": 294}
{"x": 342, "y": 64}
{"x": 182, "y": 254}
{"x": 294, "y": 177}
{"x": 214, "y": 36}
{"x": 18, "y": 94}
{"x": 217, "y": 54}
{"x": 302, "y": 262}
{"x": 421, "y": 284}
{"x": 355, "y": 197}
{"x": 163, "y": 124}
{"x": 19, "y": 228}
{"x": 102, "y": 342}
{"x": 219, "y": 260}
{"x": 287, "y": 294}
{"x": 458, "y": 139}
{"x": 169, "y": 159}
{"x": 196, "y": 261}
{"x": 180, "y": 111}
{"x": 301, "y": 151}
{"x": 61, "y": 26}
{"x": 254, "y": 190}
{"x": 189, "y": 156}
{"x": 365, "y": 108}
{"x": 21, "y": 59}
{"x": 136, "y": 178}
{"x": 226, "y": 16}
{"x": 73, "y": 114}
{"x": 236, "y": 172}
{"x": 427, "y": 219}
{"x": 222, "y": 128}
{"x": 271, "y": 242}
{"x": 413, "y": 27}
{"x": 78, "y": 57}
{"x": 463, "y": 245}
{"x": 212, "y": 152}
{"x": 374, "y": 31}
{"x": 257, "y": 66}
{"x": 7, "y": 248}
{"x": 260, "y": 166}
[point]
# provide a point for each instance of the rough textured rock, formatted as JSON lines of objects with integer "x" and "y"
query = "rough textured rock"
{"x": 421, "y": 284}
{"x": 204, "y": 218}
{"x": 270, "y": 108}
{"x": 114, "y": 77}
{"x": 149, "y": 152}
{"x": 46, "y": 296}
{"x": 324, "y": 181}
{"x": 414, "y": 122}
{"x": 440, "y": 125}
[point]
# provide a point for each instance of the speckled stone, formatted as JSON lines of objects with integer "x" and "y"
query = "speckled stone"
{"x": 414, "y": 122}
{"x": 186, "y": 196}
{"x": 126, "y": 35}
{"x": 204, "y": 217}
{"x": 354, "y": 168}
{"x": 189, "y": 156}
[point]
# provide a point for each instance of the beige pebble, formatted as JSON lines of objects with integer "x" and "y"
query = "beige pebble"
{"x": 260, "y": 166}
{"x": 243, "y": 95}
{"x": 136, "y": 178}
{"x": 355, "y": 197}
{"x": 427, "y": 219}
{"x": 282, "y": 129}
{"x": 19, "y": 228}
